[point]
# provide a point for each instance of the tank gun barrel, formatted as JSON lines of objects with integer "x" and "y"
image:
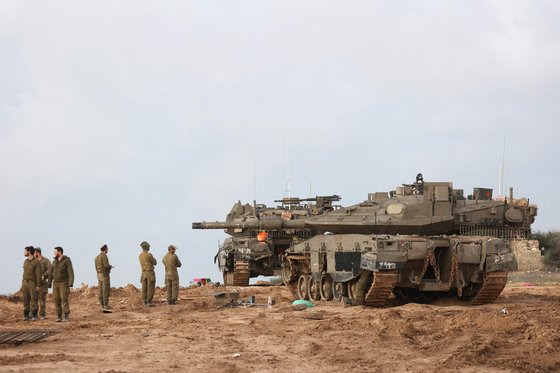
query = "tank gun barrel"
{"x": 251, "y": 224}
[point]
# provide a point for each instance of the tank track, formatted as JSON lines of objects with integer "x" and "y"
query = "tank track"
{"x": 240, "y": 274}
{"x": 381, "y": 288}
{"x": 494, "y": 283}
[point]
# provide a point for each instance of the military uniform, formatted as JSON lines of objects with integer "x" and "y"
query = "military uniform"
{"x": 30, "y": 282}
{"x": 103, "y": 269}
{"x": 44, "y": 290}
{"x": 62, "y": 278}
{"x": 148, "y": 277}
{"x": 171, "y": 262}
{"x": 362, "y": 286}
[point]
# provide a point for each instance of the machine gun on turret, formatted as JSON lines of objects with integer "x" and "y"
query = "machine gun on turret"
{"x": 324, "y": 202}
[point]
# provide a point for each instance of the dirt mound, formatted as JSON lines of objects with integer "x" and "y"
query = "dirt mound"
{"x": 413, "y": 337}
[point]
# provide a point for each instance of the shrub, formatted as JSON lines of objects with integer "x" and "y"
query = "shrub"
{"x": 276, "y": 280}
{"x": 550, "y": 246}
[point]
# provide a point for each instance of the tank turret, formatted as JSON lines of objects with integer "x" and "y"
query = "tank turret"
{"x": 424, "y": 209}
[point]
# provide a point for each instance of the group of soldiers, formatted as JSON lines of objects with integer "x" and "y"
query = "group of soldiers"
{"x": 40, "y": 274}
{"x": 148, "y": 278}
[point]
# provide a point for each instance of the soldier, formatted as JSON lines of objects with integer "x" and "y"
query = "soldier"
{"x": 103, "y": 269}
{"x": 30, "y": 284}
{"x": 362, "y": 285}
{"x": 62, "y": 278}
{"x": 171, "y": 263}
{"x": 148, "y": 278}
{"x": 44, "y": 289}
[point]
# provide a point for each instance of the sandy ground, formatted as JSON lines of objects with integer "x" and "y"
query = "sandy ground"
{"x": 195, "y": 336}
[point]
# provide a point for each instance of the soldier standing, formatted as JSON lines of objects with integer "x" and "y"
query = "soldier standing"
{"x": 171, "y": 263}
{"x": 148, "y": 278}
{"x": 30, "y": 284}
{"x": 44, "y": 289}
{"x": 103, "y": 269}
{"x": 62, "y": 278}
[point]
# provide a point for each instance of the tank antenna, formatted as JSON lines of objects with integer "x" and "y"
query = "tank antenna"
{"x": 501, "y": 183}
{"x": 255, "y": 187}
{"x": 255, "y": 181}
{"x": 287, "y": 191}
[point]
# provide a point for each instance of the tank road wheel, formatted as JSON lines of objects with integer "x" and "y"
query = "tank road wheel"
{"x": 303, "y": 287}
{"x": 326, "y": 287}
{"x": 351, "y": 288}
{"x": 314, "y": 289}
{"x": 338, "y": 290}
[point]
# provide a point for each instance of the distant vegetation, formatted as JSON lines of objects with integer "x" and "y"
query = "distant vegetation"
{"x": 550, "y": 243}
{"x": 276, "y": 280}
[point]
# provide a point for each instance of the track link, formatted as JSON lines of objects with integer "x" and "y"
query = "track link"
{"x": 381, "y": 288}
{"x": 241, "y": 273}
{"x": 494, "y": 283}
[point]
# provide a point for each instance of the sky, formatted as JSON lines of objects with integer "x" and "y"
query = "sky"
{"x": 125, "y": 121}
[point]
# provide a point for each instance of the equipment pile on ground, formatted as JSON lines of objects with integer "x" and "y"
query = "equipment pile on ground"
{"x": 224, "y": 299}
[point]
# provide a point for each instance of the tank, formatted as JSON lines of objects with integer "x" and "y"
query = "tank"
{"x": 259, "y": 235}
{"x": 421, "y": 240}
{"x": 369, "y": 269}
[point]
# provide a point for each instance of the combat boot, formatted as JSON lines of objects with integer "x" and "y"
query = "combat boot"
{"x": 34, "y": 315}
{"x": 66, "y": 317}
{"x": 59, "y": 318}
{"x": 169, "y": 301}
{"x": 25, "y": 315}
{"x": 174, "y": 302}
{"x": 43, "y": 316}
{"x": 107, "y": 307}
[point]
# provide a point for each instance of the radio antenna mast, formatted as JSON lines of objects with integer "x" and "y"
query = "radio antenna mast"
{"x": 255, "y": 181}
{"x": 287, "y": 192}
{"x": 501, "y": 183}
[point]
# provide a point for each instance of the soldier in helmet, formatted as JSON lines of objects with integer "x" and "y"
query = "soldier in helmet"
{"x": 148, "y": 278}
{"x": 62, "y": 278}
{"x": 31, "y": 283}
{"x": 171, "y": 263}
{"x": 103, "y": 269}
{"x": 44, "y": 289}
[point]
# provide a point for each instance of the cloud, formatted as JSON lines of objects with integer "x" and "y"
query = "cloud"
{"x": 127, "y": 121}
